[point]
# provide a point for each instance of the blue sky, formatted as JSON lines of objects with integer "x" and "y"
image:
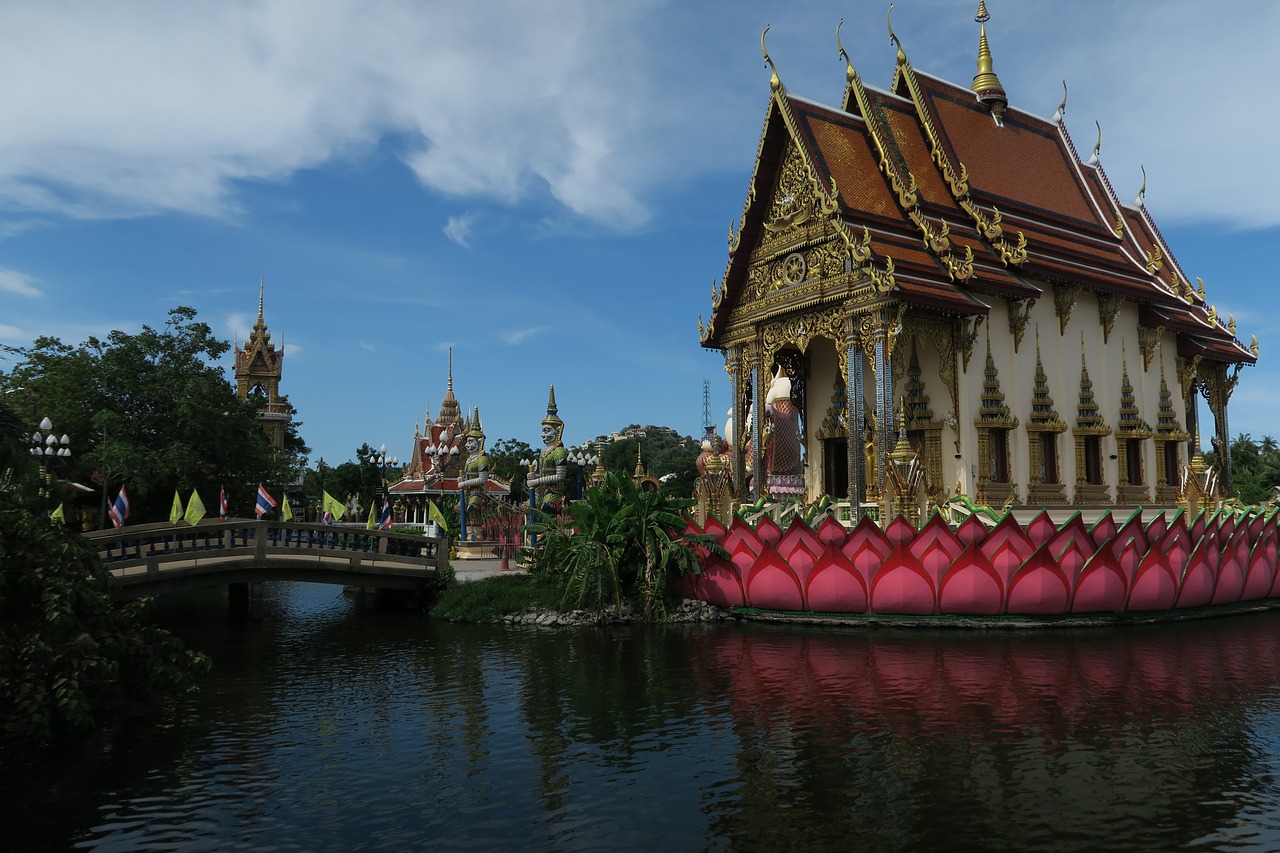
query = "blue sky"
{"x": 546, "y": 187}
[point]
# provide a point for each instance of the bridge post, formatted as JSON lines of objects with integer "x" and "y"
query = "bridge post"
{"x": 244, "y": 602}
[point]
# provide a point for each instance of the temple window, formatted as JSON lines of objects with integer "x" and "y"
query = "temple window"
{"x": 1093, "y": 460}
{"x": 1133, "y": 459}
{"x": 1048, "y": 457}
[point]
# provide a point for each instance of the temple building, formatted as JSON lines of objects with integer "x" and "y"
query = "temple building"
{"x": 435, "y": 465}
{"x": 931, "y": 262}
{"x": 258, "y": 368}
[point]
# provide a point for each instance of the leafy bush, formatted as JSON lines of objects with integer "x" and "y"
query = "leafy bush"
{"x": 620, "y": 541}
{"x": 68, "y": 657}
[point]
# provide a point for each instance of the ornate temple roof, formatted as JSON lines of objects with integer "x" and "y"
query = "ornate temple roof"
{"x": 259, "y": 359}
{"x": 948, "y": 195}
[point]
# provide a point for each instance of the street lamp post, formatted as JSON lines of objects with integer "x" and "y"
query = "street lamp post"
{"x": 48, "y": 448}
{"x": 440, "y": 455}
{"x": 380, "y": 460}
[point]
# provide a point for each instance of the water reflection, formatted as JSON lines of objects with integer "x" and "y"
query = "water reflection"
{"x": 331, "y": 726}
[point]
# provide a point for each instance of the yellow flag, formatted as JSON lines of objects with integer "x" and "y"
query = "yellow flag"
{"x": 58, "y": 516}
{"x": 434, "y": 513}
{"x": 333, "y": 506}
{"x": 195, "y": 509}
{"x": 286, "y": 511}
{"x": 373, "y": 518}
{"x": 175, "y": 514}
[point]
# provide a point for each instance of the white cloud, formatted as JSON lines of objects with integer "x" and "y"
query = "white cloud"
{"x": 521, "y": 335}
{"x": 12, "y": 281}
{"x": 367, "y": 347}
{"x": 131, "y": 110}
{"x": 459, "y": 228}
{"x": 13, "y": 334}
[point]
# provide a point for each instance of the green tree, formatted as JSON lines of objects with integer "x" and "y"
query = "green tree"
{"x": 505, "y": 459}
{"x": 153, "y": 411}
{"x": 68, "y": 657}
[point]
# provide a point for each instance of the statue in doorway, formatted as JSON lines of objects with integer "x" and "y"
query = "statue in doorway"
{"x": 782, "y": 446}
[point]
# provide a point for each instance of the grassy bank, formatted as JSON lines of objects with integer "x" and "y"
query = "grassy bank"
{"x": 489, "y": 599}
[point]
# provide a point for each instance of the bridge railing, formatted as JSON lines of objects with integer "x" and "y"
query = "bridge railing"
{"x": 147, "y": 543}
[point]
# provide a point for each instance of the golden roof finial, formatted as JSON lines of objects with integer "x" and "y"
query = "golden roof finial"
{"x": 774, "y": 82}
{"x": 1253, "y": 345}
{"x": 892, "y": 37}
{"x": 262, "y": 284}
{"x": 986, "y": 85}
{"x": 450, "y": 385}
{"x": 849, "y": 73}
{"x": 1142, "y": 193}
{"x": 1200, "y": 290}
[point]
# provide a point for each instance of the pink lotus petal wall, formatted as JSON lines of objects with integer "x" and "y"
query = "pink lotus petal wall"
{"x": 1040, "y": 569}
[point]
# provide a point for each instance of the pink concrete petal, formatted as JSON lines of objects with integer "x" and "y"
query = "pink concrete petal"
{"x": 902, "y": 586}
{"x": 835, "y": 586}
{"x": 772, "y": 585}
{"x": 971, "y": 586}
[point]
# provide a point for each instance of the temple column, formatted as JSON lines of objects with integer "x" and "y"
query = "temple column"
{"x": 758, "y": 371}
{"x": 1217, "y": 390}
{"x": 733, "y": 366}
{"x": 884, "y": 397}
{"x": 854, "y": 420}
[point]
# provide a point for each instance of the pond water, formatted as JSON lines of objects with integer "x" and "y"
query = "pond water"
{"x": 333, "y": 726}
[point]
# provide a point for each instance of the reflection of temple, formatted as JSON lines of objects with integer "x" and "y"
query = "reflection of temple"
{"x": 258, "y": 368}
{"x": 931, "y": 253}
{"x": 439, "y": 456}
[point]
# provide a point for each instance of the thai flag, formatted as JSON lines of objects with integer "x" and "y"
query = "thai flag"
{"x": 222, "y": 504}
{"x": 384, "y": 523}
{"x": 120, "y": 509}
{"x": 265, "y": 502}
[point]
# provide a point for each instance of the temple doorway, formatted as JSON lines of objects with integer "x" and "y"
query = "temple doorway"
{"x": 835, "y": 463}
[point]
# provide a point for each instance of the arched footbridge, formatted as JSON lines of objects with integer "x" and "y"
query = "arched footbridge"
{"x": 159, "y": 558}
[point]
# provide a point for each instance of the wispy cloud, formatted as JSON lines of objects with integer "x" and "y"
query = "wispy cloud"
{"x": 459, "y": 228}
{"x": 12, "y": 281}
{"x": 520, "y": 335}
{"x": 366, "y": 346}
{"x": 13, "y": 334}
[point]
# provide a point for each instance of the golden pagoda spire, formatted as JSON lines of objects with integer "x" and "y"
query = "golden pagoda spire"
{"x": 986, "y": 85}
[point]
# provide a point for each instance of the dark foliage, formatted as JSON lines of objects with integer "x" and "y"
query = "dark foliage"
{"x": 68, "y": 657}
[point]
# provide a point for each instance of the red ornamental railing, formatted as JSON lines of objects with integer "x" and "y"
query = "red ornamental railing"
{"x": 503, "y": 524}
{"x": 1037, "y": 569}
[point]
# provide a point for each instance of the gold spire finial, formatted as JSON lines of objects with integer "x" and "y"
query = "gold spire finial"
{"x": 849, "y": 73}
{"x": 888, "y": 22}
{"x": 262, "y": 284}
{"x": 450, "y": 385}
{"x": 986, "y": 85}
{"x": 774, "y": 82}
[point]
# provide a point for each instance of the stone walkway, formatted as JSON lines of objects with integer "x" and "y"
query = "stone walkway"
{"x": 470, "y": 570}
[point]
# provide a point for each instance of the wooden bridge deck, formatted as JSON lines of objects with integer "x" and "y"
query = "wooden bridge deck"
{"x": 157, "y": 558}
